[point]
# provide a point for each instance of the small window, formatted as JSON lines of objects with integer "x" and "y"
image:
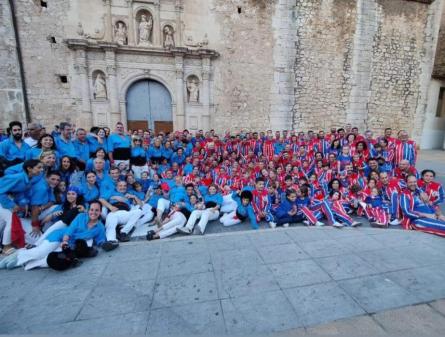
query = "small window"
{"x": 240, "y": 10}
{"x": 439, "y": 111}
{"x": 43, "y": 4}
{"x": 52, "y": 39}
{"x": 63, "y": 78}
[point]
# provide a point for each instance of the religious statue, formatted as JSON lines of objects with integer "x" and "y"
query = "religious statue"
{"x": 169, "y": 42}
{"x": 145, "y": 28}
{"x": 193, "y": 90}
{"x": 100, "y": 87}
{"x": 120, "y": 33}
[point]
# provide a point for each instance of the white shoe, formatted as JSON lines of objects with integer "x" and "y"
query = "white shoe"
{"x": 198, "y": 230}
{"x": 395, "y": 222}
{"x": 337, "y": 225}
{"x": 307, "y": 223}
{"x": 272, "y": 224}
{"x": 319, "y": 224}
{"x": 356, "y": 224}
{"x": 184, "y": 230}
{"x": 285, "y": 225}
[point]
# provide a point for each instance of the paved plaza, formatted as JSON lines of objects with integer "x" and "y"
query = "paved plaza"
{"x": 289, "y": 282}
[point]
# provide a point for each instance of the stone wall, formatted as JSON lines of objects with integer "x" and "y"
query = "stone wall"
{"x": 11, "y": 95}
{"x": 439, "y": 64}
{"x": 283, "y": 63}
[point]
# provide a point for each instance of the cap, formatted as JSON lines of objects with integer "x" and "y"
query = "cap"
{"x": 165, "y": 187}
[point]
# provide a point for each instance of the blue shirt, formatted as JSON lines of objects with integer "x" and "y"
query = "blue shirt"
{"x": 216, "y": 198}
{"x": 89, "y": 193}
{"x": 107, "y": 186}
{"x": 65, "y": 148}
{"x": 94, "y": 144}
{"x": 78, "y": 229}
{"x": 16, "y": 186}
{"x": 177, "y": 194}
{"x": 41, "y": 193}
{"x": 10, "y": 151}
{"x": 35, "y": 152}
{"x": 116, "y": 141}
{"x": 154, "y": 152}
{"x": 245, "y": 211}
{"x": 82, "y": 150}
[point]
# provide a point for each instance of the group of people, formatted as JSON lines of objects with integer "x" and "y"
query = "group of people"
{"x": 79, "y": 189}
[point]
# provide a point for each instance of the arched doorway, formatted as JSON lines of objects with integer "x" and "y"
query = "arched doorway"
{"x": 149, "y": 106}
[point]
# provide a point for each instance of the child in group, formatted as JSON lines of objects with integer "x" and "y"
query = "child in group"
{"x": 308, "y": 210}
{"x": 287, "y": 211}
{"x": 336, "y": 213}
{"x": 376, "y": 211}
{"x": 261, "y": 203}
{"x": 243, "y": 210}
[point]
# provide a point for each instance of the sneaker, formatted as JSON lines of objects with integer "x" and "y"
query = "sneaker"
{"x": 92, "y": 252}
{"x": 285, "y": 225}
{"x": 123, "y": 237}
{"x": 184, "y": 230}
{"x": 356, "y": 224}
{"x": 337, "y": 225}
{"x": 395, "y": 222}
{"x": 319, "y": 224}
{"x": 272, "y": 224}
{"x": 376, "y": 224}
{"x": 150, "y": 235}
{"x": 110, "y": 245}
{"x": 306, "y": 222}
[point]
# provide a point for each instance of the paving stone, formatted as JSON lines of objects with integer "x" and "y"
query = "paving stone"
{"x": 112, "y": 297}
{"x": 229, "y": 242}
{"x": 420, "y": 320}
{"x": 396, "y": 238}
{"x": 427, "y": 283}
{"x": 298, "y": 273}
{"x": 121, "y": 324}
{"x": 356, "y": 326}
{"x": 184, "y": 246}
{"x": 387, "y": 260}
{"x": 184, "y": 289}
{"x": 439, "y": 306}
{"x": 190, "y": 319}
{"x": 346, "y": 266}
{"x": 270, "y": 238}
{"x": 245, "y": 281}
{"x": 132, "y": 270}
{"x": 172, "y": 265}
{"x": 146, "y": 251}
{"x": 321, "y": 303}
{"x": 376, "y": 293}
{"x": 322, "y": 248}
{"x": 282, "y": 253}
{"x": 267, "y": 312}
{"x": 308, "y": 234}
{"x": 361, "y": 243}
{"x": 238, "y": 258}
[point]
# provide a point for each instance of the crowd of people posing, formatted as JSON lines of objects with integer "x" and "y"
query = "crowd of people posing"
{"x": 74, "y": 190}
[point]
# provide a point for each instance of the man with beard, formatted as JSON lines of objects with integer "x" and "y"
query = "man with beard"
{"x": 13, "y": 149}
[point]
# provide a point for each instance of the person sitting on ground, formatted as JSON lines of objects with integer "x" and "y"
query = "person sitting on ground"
{"x": 243, "y": 211}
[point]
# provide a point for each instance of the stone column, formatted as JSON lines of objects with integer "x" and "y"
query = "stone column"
{"x": 178, "y": 9}
{"x": 113, "y": 94}
{"x": 108, "y": 23}
{"x": 157, "y": 32}
{"x": 82, "y": 71}
{"x": 180, "y": 113}
{"x": 205, "y": 97}
{"x": 131, "y": 34}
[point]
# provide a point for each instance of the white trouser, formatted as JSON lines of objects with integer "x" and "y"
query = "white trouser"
{"x": 57, "y": 225}
{"x": 5, "y": 223}
{"x": 228, "y": 204}
{"x": 163, "y": 205}
{"x": 204, "y": 217}
{"x": 147, "y": 215}
{"x": 230, "y": 219}
{"x": 177, "y": 220}
{"x": 129, "y": 218}
{"x": 104, "y": 213}
{"x": 137, "y": 170}
{"x": 47, "y": 212}
{"x": 26, "y": 256}
{"x": 127, "y": 163}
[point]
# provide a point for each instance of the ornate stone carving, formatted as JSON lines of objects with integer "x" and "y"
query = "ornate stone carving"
{"x": 121, "y": 33}
{"x": 169, "y": 41}
{"x": 99, "y": 33}
{"x": 145, "y": 28}
{"x": 193, "y": 89}
{"x": 100, "y": 85}
{"x": 197, "y": 45}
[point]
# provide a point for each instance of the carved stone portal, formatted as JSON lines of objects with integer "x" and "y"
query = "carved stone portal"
{"x": 193, "y": 89}
{"x": 99, "y": 85}
{"x": 145, "y": 28}
{"x": 120, "y": 33}
{"x": 169, "y": 41}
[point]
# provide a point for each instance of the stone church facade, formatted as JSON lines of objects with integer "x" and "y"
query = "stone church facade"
{"x": 225, "y": 64}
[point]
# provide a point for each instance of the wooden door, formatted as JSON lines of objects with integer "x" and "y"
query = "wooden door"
{"x": 137, "y": 125}
{"x": 148, "y": 101}
{"x": 165, "y": 127}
